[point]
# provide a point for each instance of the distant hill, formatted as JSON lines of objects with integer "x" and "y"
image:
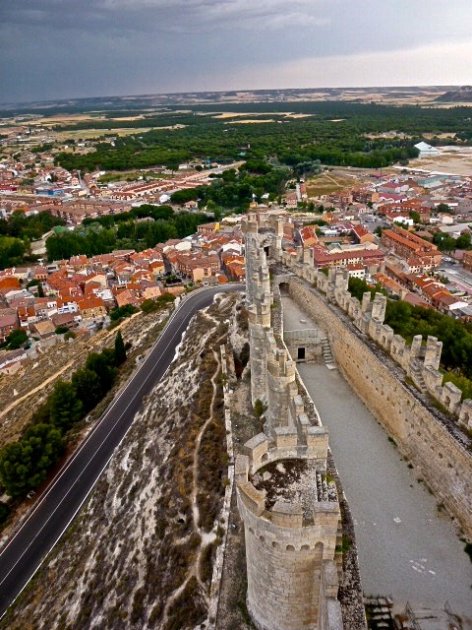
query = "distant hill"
{"x": 409, "y": 95}
{"x": 461, "y": 95}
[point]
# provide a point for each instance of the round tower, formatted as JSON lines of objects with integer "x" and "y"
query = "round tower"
{"x": 292, "y": 526}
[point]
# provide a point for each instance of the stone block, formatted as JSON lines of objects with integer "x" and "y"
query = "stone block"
{"x": 366, "y": 298}
{"x": 256, "y": 448}
{"x": 317, "y": 441}
{"x": 465, "y": 414}
{"x": 433, "y": 380}
{"x": 285, "y": 437}
{"x": 379, "y": 307}
{"x": 450, "y": 397}
{"x": 287, "y": 514}
{"x": 433, "y": 353}
{"x": 416, "y": 344}
{"x": 241, "y": 468}
{"x": 252, "y": 498}
{"x": 304, "y": 422}
{"x": 385, "y": 337}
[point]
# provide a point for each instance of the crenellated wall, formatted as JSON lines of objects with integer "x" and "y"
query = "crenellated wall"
{"x": 420, "y": 361}
{"x": 293, "y": 541}
{"x": 291, "y": 555}
{"x": 433, "y": 442}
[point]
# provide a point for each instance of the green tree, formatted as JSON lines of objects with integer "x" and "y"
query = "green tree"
{"x": 103, "y": 364}
{"x": 149, "y": 306}
{"x": 463, "y": 241}
{"x": 120, "y": 350}
{"x": 87, "y": 388}
{"x": 65, "y": 408}
{"x": 24, "y": 464}
{"x": 415, "y": 216}
{"x": 36, "y": 283}
{"x": 16, "y": 339}
{"x": 11, "y": 251}
{"x": 120, "y": 312}
{"x": 4, "y": 512}
{"x": 445, "y": 242}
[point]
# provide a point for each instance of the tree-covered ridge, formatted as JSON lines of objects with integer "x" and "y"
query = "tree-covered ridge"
{"x": 334, "y": 133}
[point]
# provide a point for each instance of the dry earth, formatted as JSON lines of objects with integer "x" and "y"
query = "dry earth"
{"x": 23, "y": 392}
{"x": 329, "y": 182}
{"x": 451, "y": 159}
{"x": 140, "y": 554}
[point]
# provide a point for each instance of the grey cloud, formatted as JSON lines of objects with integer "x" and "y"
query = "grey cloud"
{"x": 53, "y": 48}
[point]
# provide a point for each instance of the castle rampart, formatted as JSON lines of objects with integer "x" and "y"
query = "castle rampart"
{"x": 433, "y": 443}
{"x": 288, "y": 504}
{"x": 417, "y": 360}
{"x": 290, "y": 544}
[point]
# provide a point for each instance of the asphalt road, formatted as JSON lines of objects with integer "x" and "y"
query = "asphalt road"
{"x": 61, "y": 501}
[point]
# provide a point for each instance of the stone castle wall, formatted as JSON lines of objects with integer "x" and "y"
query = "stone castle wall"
{"x": 420, "y": 362}
{"x": 277, "y": 560}
{"x": 292, "y": 540}
{"x": 443, "y": 461}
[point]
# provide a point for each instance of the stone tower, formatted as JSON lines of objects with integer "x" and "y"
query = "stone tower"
{"x": 259, "y": 298}
{"x": 286, "y": 499}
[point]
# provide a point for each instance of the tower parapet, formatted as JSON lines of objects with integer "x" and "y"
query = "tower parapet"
{"x": 292, "y": 530}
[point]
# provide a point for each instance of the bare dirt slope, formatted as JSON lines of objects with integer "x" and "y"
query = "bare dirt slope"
{"x": 23, "y": 392}
{"x": 140, "y": 554}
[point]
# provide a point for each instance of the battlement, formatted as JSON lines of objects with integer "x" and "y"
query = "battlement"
{"x": 284, "y": 485}
{"x": 420, "y": 361}
{"x": 288, "y": 504}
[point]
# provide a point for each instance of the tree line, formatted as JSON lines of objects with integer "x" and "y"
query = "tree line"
{"x": 447, "y": 243}
{"x": 335, "y": 133}
{"x": 137, "y": 230}
{"x": 25, "y": 463}
{"x": 17, "y": 232}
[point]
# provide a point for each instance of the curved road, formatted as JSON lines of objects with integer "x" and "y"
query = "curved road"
{"x": 22, "y": 556}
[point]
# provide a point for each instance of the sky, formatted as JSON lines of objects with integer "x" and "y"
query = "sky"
{"x": 51, "y": 49}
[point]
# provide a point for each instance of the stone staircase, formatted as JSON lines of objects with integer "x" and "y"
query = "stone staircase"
{"x": 328, "y": 355}
{"x": 417, "y": 376}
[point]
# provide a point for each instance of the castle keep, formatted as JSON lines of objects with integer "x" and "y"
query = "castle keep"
{"x": 287, "y": 500}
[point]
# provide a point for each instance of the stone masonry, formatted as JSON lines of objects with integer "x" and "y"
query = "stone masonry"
{"x": 397, "y": 382}
{"x": 288, "y": 504}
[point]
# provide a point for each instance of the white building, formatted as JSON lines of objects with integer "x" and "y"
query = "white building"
{"x": 426, "y": 149}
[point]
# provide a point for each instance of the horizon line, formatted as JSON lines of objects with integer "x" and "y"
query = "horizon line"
{"x": 235, "y": 90}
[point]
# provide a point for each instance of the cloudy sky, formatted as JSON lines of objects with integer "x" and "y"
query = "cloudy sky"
{"x": 70, "y": 48}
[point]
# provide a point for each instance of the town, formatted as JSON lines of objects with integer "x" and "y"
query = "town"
{"x": 226, "y": 303}
{"x": 405, "y": 231}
